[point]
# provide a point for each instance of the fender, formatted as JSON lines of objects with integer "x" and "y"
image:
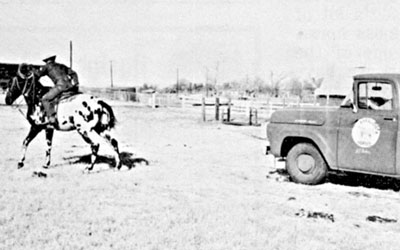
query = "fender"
{"x": 285, "y": 136}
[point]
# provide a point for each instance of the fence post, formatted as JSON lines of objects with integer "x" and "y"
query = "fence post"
{"x": 228, "y": 115}
{"x": 250, "y": 116}
{"x": 153, "y": 100}
{"x": 255, "y": 116}
{"x": 203, "y": 107}
{"x": 216, "y": 108}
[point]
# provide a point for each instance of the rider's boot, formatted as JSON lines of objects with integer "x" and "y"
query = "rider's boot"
{"x": 43, "y": 121}
{"x": 49, "y": 115}
{"x": 52, "y": 119}
{"x": 52, "y": 122}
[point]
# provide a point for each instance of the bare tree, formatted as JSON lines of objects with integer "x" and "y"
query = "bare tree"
{"x": 295, "y": 87}
{"x": 275, "y": 83}
{"x": 207, "y": 79}
{"x": 216, "y": 77}
{"x": 302, "y": 88}
{"x": 312, "y": 84}
{"x": 211, "y": 79}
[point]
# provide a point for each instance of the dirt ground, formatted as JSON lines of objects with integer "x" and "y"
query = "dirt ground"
{"x": 185, "y": 184}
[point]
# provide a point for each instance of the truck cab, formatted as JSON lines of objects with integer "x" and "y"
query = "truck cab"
{"x": 359, "y": 136}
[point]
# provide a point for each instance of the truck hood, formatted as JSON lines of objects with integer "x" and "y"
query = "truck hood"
{"x": 316, "y": 116}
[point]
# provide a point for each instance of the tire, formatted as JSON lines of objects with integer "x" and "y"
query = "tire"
{"x": 305, "y": 164}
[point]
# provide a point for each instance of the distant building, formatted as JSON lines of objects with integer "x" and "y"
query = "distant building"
{"x": 115, "y": 93}
{"x": 7, "y": 72}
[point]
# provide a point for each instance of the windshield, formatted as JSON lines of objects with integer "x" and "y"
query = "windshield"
{"x": 375, "y": 95}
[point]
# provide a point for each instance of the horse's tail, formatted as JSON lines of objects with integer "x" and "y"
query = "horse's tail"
{"x": 112, "y": 120}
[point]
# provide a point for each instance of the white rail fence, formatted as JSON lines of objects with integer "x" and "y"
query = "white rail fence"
{"x": 250, "y": 111}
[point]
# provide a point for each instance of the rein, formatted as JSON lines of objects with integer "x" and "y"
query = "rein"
{"x": 25, "y": 91}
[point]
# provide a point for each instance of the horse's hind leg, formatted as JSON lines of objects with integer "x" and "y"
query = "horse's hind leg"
{"x": 95, "y": 150}
{"x": 33, "y": 132}
{"x": 92, "y": 139}
{"x": 114, "y": 144}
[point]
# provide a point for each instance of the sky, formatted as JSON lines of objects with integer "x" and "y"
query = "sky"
{"x": 150, "y": 41}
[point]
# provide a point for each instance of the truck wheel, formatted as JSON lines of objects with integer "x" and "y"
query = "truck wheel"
{"x": 305, "y": 164}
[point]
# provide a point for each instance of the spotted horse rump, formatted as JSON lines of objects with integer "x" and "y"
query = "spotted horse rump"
{"x": 92, "y": 118}
{"x": 84, "y": 112}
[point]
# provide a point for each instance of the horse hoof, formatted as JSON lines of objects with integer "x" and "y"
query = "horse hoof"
{"x": 39, "y": 174}
{"x": 87, "y": 170}
{"x": 45, "y": 166}
{"x": 119, "y": 166}
{"x": 20, "y": 165}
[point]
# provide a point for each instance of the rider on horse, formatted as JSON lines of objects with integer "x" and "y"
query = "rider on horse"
{"x": 90, "y": 116}
{"x": 64, "y": 79}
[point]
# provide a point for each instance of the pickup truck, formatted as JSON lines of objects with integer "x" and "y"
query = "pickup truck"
{"x": 362, "y": 135}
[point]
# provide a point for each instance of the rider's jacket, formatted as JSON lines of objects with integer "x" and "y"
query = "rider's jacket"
{"x": 59, "y": 74}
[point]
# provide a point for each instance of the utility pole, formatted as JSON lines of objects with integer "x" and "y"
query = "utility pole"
{"x": 206, "y": 84}
{"x": 216, "y": 78}
{"x": 111, "y": 74}
{"x": 70, "y": 54}
{"x": 177, "y": 81}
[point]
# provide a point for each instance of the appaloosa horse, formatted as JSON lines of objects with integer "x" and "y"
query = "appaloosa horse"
{"x": 91, "y": 117}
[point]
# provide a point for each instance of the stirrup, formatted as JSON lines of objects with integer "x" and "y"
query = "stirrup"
{"x": 47, "y": 122}
{"x": 44, "y": 123}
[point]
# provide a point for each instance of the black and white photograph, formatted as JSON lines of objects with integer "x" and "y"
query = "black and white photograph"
{"x": 199, "y": 124}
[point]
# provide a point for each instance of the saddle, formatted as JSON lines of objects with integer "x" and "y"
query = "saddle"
{"x": 66, "y": 95}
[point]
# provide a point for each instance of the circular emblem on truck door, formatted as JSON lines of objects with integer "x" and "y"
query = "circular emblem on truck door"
{"x": 365, "y": 132}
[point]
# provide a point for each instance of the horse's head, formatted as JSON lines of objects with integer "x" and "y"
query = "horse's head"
{"x": 13, "y": 91}
{"x": 19, "y": 84}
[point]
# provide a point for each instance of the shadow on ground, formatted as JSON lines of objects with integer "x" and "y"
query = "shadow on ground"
{"x": 347, "y": 179}
{"x": 127, "y": 160}
{"x": 364, "y": 180}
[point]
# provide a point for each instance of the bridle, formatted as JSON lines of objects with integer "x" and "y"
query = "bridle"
{"x": 26, "y": 89}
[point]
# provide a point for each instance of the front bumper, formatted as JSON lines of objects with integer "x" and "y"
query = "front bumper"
{"x": 267, "y": 148}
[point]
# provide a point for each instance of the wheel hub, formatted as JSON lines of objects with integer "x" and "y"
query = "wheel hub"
{"x": 305, "y": 163}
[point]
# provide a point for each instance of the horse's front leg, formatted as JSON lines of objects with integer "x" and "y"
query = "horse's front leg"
{"x": 49, "y": 140}
{"x": 33, "y": 132}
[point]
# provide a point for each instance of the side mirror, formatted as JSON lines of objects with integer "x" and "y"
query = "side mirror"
{"x": 353, "y": 107}
{"x": 377, "y": 88}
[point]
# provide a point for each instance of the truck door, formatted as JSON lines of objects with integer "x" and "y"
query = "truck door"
{"x": 368, "y": 136}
